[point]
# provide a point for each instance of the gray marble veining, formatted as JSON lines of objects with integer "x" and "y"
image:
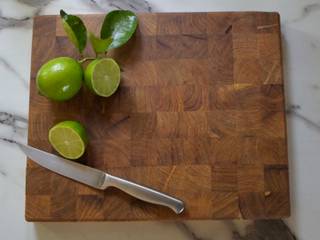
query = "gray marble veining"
{"x": 12, "y": 120}
{"x": 304, "y": 125}
{"x": 133, "y": 5}
{"x": 10, "y": 68}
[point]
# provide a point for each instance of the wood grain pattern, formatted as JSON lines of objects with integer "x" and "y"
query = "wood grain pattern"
{"x": 199, "y": 115}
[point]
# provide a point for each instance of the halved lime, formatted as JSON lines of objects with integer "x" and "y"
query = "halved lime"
{"x": 102, "y": 76}
{"x": 68, "y": 138}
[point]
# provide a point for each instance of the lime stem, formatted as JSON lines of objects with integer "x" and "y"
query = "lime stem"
{"x": 86, "y": 59}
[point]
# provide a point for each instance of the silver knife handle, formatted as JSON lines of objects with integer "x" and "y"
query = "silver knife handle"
{"x": 144, "y": 193}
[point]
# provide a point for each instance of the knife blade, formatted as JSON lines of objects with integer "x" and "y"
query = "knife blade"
{"x": 99, "y": 179}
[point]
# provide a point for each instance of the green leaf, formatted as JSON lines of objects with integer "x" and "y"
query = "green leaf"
{"x": 99, "y": 45}
{"x": 120, "y": 25}
{"x": 75, "y": 29}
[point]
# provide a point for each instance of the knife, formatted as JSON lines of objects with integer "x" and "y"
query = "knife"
{"x": 99, "y": 179}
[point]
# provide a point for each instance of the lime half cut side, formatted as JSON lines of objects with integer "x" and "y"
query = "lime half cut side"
{"x": 69, "y": 139}
{"x": 102, "y": 76}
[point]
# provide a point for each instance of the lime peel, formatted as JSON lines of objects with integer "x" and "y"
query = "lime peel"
{"x": 102, "y": 76}
{"x": 69, "y": 139}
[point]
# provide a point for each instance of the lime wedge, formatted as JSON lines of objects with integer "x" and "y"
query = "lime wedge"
{"x": 69, "y": 139}
{"x": 102, "y": 76}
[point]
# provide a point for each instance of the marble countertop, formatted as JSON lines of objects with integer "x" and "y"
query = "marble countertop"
{"x": 301, "y": 43}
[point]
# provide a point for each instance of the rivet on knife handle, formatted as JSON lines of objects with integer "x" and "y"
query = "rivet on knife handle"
{"x": 98, "y": 179}
{"x": 144, "y": 193}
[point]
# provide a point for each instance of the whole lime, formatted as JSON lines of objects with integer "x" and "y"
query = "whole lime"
{"x": 60, "y": 78}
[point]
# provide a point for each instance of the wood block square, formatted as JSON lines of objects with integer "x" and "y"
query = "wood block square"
{"x": 168, "y": 46}
{"x": 245, "y": 45}
{"x": 143, "y": 125}
{"x": 268, "y": 22}
{"x": 182, "y": 71}
{"x": 220, "y": 23}
{"x": 184, "y": 46}
{"x": 167, "y": 124}
{"x": 222, "y": 97}
{"x": 221, "y": 123}
{"x": 252, "y": 204}
{"x": 40, "y": 181}
{"x": 277, "y": 205}
{"x": 89, "y": 207}
{"x": 133, "y": 52}
{"x": 37, "y": 207}
{"x": 117, "y": 125}
{"x": 202, "y": 205}
{"x": 166, "y": 151}
{"x": 141, "y": 73}
{"x": 169, "y": 24}
{"x": 269, "y": 46}
{"x": 224, "y": 179}
{"x": 139, "y": 153}
{"x": 44, "y": 38}
{"x": 194, "y": 98}
{"x": 249, "y": 156}
{"x": 40, "y": 127}
{"x": 193, "y": 124}
{"x": 120, "y": 206}
{"x": 197, "y": 176}
{"x": 248, "y": 70}
{"x": 147, "y": 25}
{"x": 96, "y": 160}
{"x": 194, "y": 71}
{"x": 265, "y": 124}
{"x": 273, "y": 124}
{"x": 87, "y": 190}
{"x": 272, "y": 152}
{"x": 237, "y": 96}
{"x": 272, "y": 97}
{"x": 245, "y": 23}
{"x": 250, "y": 179}
{"x": 64, "y": 199}
{"x": 276, "y": 180}
{"x": 249, "y": 123}
{"x": 170, "y": 72}
{"x": 169, "y": 99}
{"x": 127, "y": 100}
{"x": 225, "y": 205}
{"x": 221, "y": 58}
{"x": 221, "y": 156}
{"x": 194, "y": 23}
{"x": 196, "y": 150}
{"x": 193, "y": 46}
{"x": 272, "y": 71}
{"x": 147, "y": 99}
{"x": 117, "y": 153}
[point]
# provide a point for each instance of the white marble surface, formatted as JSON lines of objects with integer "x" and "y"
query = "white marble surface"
{"x": 301, "y": 40}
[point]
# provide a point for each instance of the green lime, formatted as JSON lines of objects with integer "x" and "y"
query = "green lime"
{"x": 68, "y": 138}
{"x": 60, "y": 78}
{"x": 102, "y": 76}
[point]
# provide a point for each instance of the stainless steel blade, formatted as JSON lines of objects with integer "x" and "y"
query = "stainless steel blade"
{"x": 99, "y": 179}
{"x": 79, "y": 172}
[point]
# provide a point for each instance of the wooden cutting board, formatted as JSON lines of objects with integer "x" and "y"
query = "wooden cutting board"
{"x": 199, "y": 115}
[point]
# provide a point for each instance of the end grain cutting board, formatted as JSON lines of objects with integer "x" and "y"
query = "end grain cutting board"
{"x": 199, "y": 115}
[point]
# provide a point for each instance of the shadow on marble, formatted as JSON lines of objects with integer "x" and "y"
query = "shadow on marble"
{"x": 193, "y": 230}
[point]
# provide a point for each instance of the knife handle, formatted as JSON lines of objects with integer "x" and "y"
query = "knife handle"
{"x": 144, "y": 193}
